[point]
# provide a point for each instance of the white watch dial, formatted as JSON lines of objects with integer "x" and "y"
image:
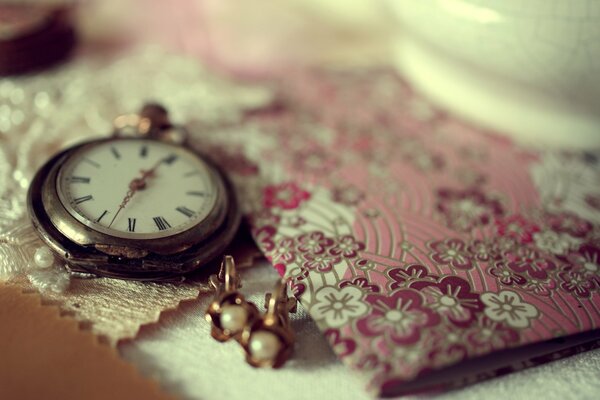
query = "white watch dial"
{"x": 140, "y": 189}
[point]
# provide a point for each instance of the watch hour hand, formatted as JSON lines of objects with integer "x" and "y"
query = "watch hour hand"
{"x": 135, "y": 185}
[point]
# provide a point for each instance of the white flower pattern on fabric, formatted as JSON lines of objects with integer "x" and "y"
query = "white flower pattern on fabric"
{"x": 450, "y": 303}
{"x": 336, "y": 306}
{"x": 508, "y": 307}
{"x": 553, "y": 242}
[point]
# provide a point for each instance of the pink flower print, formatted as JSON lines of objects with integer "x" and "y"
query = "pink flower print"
{"x": 482, "y": 250}
{"x": 315, "y": 161}
{"x": 587, "y": 261}
{"x": 364, "y": 264}
{"x": 347, "y": 247}
{"x": 335, "y": 307}
{"x": 505, "y": 274}
{"x": 284, "y": 251}
{"x": 470, "y": 177}
{"x": 508, "y": 307}
{"x": 369, "y": 362}
{"x": 450, "y": 252}
{"x": 399, "y": 317}
{"x": 297, "y": 273}
{"x": 487, "y": 335}
{"x": 264, "y": 217}
{"x": 424, "y": 160}
{"x": 541, "y": 287}
{"x": 314, "y": 242}
{"x": 264, "y": 237}
{"x": 576, "y": 282}
{"x": 503, "y": 244}
{"x": 448, "y": 339}
{"x": 554, "y": 242}
{"x": 428, "y": 162}
{"x": 361, "y": 282}
{"x": 321, "y": 262}
{"x": 348, "y": 195}
{"x": 570, "y": 223}
{"x": 341, "y": 346}
{"x": 448, "y": 356}
{"x": 516, "y": 226}
{"x": 467, "y": 209}
{"x": 402, "y": 277}
{"x": 295, "y": 221}
{"x": 287, "y": 196}
{"x": 526, "y": 260}
{"x": 451, "y": 296}
{"x": 297, "y": 288}
{"x": 280, "y": 268}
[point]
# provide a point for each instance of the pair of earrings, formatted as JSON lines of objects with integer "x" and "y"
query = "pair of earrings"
{"x": 267, "y": 339}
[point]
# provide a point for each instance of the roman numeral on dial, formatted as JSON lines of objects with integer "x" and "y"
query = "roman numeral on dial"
{"x": 186, "y": 211}
{"x": 131, "y": 224}
{"x": 170, "y": 159}
{"x": 80, "y": 200}
{"x": 101, "y": 216}
{"x": 144, "y": 151}
{"x": 79, "y": 179}
{"x": 201, "y": 194}
{"x": 115, "y": 152}
{"x": 161, "y": 223}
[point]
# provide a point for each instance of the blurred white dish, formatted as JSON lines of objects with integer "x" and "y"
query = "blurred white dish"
{"x": 527, "y": 68}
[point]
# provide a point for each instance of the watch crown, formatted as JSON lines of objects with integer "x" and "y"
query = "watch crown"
{"x": 153, "y": 117}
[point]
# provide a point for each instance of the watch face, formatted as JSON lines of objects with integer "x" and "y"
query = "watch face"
{"x": 137, "y": 189}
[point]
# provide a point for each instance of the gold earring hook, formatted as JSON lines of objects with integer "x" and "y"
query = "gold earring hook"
{"x": 231, "y": 279}
{"x": 227, "y": 280}
{"x": 279, "y": 305}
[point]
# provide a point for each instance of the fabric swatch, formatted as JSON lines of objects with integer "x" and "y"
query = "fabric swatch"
{"x": 415, "y": 241}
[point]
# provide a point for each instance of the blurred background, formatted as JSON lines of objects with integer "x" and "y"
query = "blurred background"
{"x": 525, "y": 69}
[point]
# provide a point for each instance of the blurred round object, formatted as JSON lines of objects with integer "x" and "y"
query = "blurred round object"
{"x": 526, "y": 68}
{"x": 33, "y": 37}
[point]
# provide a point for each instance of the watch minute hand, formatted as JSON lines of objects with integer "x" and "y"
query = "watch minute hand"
{"x": 135, "y": 185}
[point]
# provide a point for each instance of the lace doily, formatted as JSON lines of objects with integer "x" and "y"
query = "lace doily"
{"x": 41, "y": 114}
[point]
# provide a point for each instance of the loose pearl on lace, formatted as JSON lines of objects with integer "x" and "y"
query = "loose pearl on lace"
{"x": 264, "y": 346}
{"x": 43, "y": 257}
{"x": 233, "y": 318}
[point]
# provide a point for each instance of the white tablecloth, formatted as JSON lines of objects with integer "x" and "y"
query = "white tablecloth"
{"x": 181, "y": 354}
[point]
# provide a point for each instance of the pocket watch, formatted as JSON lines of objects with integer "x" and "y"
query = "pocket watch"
{"x": 138, "y": 205}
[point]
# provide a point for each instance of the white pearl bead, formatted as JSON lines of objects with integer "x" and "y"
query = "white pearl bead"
{"x": 43, "y": 257}
{"x": 264, "y": 346}
{"x": 233, "y": 318}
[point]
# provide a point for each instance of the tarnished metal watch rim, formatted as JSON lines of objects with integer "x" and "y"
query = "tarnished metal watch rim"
{"x": 87, "y": 250}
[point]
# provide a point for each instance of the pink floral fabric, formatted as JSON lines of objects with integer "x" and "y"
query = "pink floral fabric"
{"x": 417, "y": 242}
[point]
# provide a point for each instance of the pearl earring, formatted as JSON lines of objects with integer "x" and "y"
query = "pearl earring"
{"x": 229, "y": 312}
{"x": 269, "y": 340}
